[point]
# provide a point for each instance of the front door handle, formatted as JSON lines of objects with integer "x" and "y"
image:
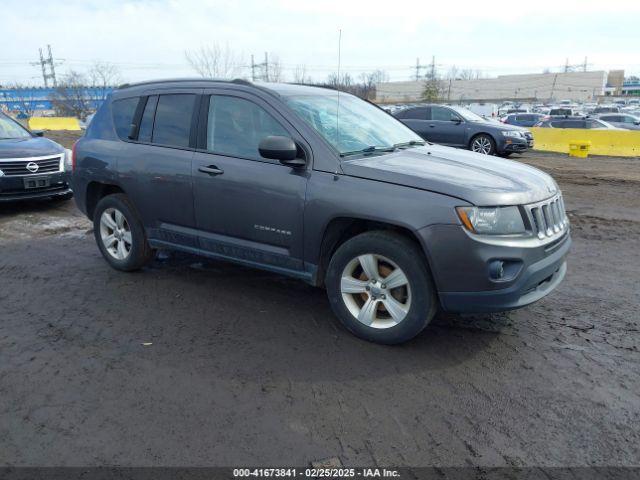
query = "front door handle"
{"x": 211, "y": 170}
{"x": 432, "y": 126}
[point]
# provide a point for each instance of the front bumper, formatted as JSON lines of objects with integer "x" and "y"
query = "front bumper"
{"x": 12, "y": 188}
{"x": 514, "y": 145}
{"x": 461, "y": 270}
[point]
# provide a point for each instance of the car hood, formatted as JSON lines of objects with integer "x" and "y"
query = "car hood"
{"x": 28, "y": 147}
{"x": 478, "y": 179}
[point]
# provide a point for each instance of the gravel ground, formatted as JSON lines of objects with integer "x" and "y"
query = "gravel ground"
{"x": 195, "y": 362}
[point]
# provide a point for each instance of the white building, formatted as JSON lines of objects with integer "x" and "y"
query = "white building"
{"x": 577, "y": 86}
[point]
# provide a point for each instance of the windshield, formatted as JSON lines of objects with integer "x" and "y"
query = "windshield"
{"x": 360, "y": 125}
{"x": 11, "y": 129}
{"x": 468, "y": 114}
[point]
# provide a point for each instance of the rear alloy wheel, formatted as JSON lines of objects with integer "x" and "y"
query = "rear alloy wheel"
{"x": 115, "y": 233}
{"x": 483, "y": 144}
{"x": 380, "y": 288}
{"x": 120, "y": 234}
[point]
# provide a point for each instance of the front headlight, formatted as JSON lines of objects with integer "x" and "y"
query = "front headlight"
{"x": 512, "y": 133}
{"x": 67, "y": 160}
{"x": 492, "y": 220}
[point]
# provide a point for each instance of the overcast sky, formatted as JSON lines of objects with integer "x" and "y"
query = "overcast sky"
{"x": 147, "y": 38}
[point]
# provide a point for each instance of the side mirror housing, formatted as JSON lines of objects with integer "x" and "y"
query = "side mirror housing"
{"x": 282, "y": 149}
{"x": 38, "y": 133}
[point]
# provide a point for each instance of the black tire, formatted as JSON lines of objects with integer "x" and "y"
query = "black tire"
{"x": 140, "y": 252}
{"x": 505, "y": 154}
{"x": 485, "y": 139}
{"x": 410, "y": 259}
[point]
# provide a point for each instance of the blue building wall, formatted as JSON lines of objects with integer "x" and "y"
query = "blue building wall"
{"x": 40, "y": 98}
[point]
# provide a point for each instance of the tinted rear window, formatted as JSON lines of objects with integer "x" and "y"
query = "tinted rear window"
{"x": 420, "y": 113}
{"x": 123, "y": 111}
{"x": 172, "y": 124}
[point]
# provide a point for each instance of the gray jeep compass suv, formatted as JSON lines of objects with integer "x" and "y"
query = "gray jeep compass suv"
{"x": 321, "y": 186}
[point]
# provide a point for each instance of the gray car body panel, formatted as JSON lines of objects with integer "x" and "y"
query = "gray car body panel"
{"x": 268, "y": 215}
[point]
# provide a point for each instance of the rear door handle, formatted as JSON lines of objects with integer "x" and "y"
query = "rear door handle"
{"x": 211, "y": 170}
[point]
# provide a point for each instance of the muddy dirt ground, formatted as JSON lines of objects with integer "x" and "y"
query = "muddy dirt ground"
{"x": 195, "y": 362}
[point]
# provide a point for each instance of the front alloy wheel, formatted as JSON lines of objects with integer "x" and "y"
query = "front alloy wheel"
{"x": 115, "y": 233}
{"x": 380, "y": 288}
{"x": 482, "y": 144}
{"x": 376, "y": 291}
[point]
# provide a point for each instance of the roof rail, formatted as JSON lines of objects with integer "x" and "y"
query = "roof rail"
{"x": 238, "y": 81}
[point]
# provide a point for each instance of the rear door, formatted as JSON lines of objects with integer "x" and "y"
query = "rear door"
{"x": 156, "y": 171}
{"x": 247, "y": 207}
{"x": 417, "y": 119}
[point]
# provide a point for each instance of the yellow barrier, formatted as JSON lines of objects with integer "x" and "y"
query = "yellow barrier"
{"x": 54, "y": 123}
{"x": 616, "y": 143}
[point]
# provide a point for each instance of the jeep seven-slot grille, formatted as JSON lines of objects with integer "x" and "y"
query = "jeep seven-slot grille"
{"x": 548, "y": 218}
{"x": 15, "y": 166}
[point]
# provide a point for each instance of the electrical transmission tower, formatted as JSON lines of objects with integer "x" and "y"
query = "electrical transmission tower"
{"x": 48, "y": 67}
{"x": 264, "y": 66}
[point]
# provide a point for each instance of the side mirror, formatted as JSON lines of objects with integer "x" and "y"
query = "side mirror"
{"x": 38, "y": 133}
{"x": 281, "y": 148}
{"x": 637, "y": 122}
{"x": 457, "y": 120}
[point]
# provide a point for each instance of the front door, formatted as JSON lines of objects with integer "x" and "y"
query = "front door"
{"x": 449, "y": 128}
{"x": 247, "y": 207}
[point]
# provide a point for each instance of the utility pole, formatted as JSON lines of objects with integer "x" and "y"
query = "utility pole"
{"x": 449, "y": 92}
{"x": 584, "y": 67}
{"x": 48, "y": 68}
{"x": 253, "y": 69}
{"x": 418, "y": 69}
{"x": 266, "y": 67}
{"x": 433, "y": 67}
{"x": 566, "y": 66}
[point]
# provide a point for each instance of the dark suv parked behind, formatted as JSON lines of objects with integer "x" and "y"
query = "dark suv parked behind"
{"x": 272, "y": 177}
{"x": 459, "y": 127}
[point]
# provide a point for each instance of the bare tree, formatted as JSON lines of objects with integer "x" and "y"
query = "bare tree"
{"x": 369, "y": 81}
{"x": 103, "y": 76}
{"x": 274, "y": 71}
{"x": 470, "y": 74}
{"x": 70, "y": 98}
{"x": 214, "y": 61}
{"x": 24, "y": 96}
{"x": 300, "y": 75}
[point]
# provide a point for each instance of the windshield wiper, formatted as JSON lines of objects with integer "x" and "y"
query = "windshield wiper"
{"x": 411, "y": 143}
{"x": 368, "y": 150}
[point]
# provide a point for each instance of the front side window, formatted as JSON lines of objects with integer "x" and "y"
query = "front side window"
{"x": 443, "y": 114}
{"x": 236, "y": 126}
{"x": 172, "y": 126}
{"x": 350, "y": 124}
{"x": 123, "y": 112}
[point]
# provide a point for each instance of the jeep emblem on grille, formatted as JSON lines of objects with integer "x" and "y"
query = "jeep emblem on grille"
{"x": 32, "y": 167}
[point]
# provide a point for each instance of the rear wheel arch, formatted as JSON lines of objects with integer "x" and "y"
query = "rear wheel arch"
{"x": 95, "y": 192}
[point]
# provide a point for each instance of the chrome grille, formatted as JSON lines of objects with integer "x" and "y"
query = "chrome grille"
{"x": 18, "y": 166}
{"x": 548, "y": 218}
